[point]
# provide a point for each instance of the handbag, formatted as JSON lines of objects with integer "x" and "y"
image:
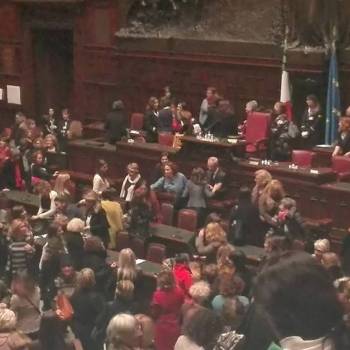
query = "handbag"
{"x": 64, "y": 309}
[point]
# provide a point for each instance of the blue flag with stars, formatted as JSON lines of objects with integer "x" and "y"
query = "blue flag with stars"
{"x": 333, "y": 100}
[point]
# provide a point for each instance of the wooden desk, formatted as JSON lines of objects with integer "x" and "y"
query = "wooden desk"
{"x": 95, "y": 129}
{"x": 282, "y": 170}
{"x": 28, "y": 200}
{"x": 199, "y": 148}
{"x": 177, "y": 240}
{"x": 323, "y": 155}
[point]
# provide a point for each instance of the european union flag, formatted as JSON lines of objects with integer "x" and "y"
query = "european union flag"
{"x": 333, "y": 100}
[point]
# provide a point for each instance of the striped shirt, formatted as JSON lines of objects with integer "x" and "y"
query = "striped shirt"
{"x": 17, "y": 257}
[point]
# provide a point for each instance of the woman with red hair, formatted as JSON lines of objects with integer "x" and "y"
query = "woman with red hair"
{"x": 342, "y": 146}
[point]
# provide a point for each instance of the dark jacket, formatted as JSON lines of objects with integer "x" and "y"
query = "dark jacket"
{"x": 75, "y": 246}
{"x": 151, "y": 126}
{"x": 343, "y": 143}
{"x": 40, "y": 172}
{"x": 116, "y": 125}
{"x": 165, "y": 120}
{"x": 99, "y": 225}
{"x": 87, "y": 305}
{"x": 215, "y": 178}
{"x": 312, "y": 128}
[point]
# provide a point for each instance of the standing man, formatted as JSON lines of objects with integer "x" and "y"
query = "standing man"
{"x": 216, "y": 178}
{"x": 116, "y": 123}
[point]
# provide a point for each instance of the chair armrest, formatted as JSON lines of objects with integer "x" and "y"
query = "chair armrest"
{"x": 344, "y": 176}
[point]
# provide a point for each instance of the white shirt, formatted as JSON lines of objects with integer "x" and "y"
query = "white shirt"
{"x": 297, "y": 343}
{"x": 99, "y": 184}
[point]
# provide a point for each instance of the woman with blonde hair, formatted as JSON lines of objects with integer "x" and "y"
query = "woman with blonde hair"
{"x": 64, "y": 186}
{"x": 87, "y": 305}
{"x": 148, "y": 332}
{"x": 269, "y": 202}
{"x": 262, "y": 179}
{"x": 210, "y": 239}
{"x": 123, "y": 333}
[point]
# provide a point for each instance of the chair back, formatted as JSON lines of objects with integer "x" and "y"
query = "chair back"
{"x": 341, "y": 164}
{"x": 138, "y": 247}
{"x": 258, "y": 126}
{"x": 187, "y": 219}
{"x": 156, "y": 253}
{"x": 123, "y": 241}
{"x": 166, "y": 139}
{"x": 136, "y": 121}
{"x": 303, "y": 158}
{"x": 167, "y": 211}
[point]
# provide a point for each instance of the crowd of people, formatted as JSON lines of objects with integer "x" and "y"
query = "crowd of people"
{"x": 63, "y": 286}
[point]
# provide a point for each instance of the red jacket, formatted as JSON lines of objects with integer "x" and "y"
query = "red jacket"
{"x": 183, "y": 278}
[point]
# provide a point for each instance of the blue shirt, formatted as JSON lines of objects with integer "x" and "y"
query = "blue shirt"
{"x": 176, "y": 184}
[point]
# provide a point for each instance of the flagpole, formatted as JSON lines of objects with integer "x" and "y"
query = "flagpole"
{"x": 285, "y": 47}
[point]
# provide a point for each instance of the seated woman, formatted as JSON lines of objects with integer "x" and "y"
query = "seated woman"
{"x": 151, "y": 121}
{"x": 39, "y": 171}
{"x": 47, "y": 198}
{"x": 50, "y": 144}
{"x": 342, "y": 146}
{"x": 131, "y": 182}
{"x": 280, "y": 140}
{"x": 172, "y": 181}
{"x": 100, "y": 182}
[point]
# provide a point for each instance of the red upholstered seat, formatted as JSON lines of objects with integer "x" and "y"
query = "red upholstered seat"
{"x": 156, "y": 252}
{"x": 167, "y": 211}
{"x": 123, "y": 241}
{"x": 341, "y": 165}
{"x": 136, "y": 121}
{"x": 257, "y": 132}
{"x": 166, "y": 139}
{"x": 187, "y": 219}
{"x": 303, "y": 158}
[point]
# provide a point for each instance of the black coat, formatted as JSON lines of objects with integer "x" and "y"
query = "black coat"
{"x": 116, "y": 125}
{"x": 165, "y": 120}
{"x": 87, "y": 305}
{"x": 215, "y": 178}
{"x": 151, "y": 126}
{"x": 75, "y": 246}
{"x": 313, "y": 124}
{"x": 343, "y": 143}
{"x": 99, "y": 225}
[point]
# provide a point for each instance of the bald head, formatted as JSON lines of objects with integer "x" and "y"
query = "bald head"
{"x": 213, "y": 163}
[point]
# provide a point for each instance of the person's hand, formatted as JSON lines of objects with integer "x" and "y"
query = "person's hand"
{"x": 55, "y": 174}
{"x": 28, "y": 248}
{"x": 201, "y": 234}
{"x": 216, "y": 187}
{"x": 113, "y": 265}
{"x": 34, "y": 217}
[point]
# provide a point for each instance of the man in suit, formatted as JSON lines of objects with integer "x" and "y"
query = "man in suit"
{"x": 116, "y": 123}
{"x": 166, "y": 117}
{"x": 216, "y": 178}
{"x": 63, "y": 130}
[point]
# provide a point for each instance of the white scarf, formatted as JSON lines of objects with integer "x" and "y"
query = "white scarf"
{"x": 130, "y": 190}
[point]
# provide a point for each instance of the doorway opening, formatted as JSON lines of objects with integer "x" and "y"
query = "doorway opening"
{"x": 53, "y": 69}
